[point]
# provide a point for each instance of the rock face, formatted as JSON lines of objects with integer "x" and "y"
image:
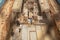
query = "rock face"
{"x": 30, "y": 20}
{"x": 5, "y": 19}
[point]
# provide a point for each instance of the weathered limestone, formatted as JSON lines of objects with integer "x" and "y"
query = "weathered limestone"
{"x": 44, "y": 5}
{"x": 57, "y": 20}
{"x": 26, "y": 32}
{"x": 5, "y": 19}
{"x": 17, "y": 5}
{"x": 53, "y": 6}
{"x": 30, "y": 26}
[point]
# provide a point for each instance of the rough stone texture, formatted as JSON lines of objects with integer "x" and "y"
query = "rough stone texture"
{"x": 29, "y": 25}
{"x": 17, "y": 5}
{"x": 5, "y": 19}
